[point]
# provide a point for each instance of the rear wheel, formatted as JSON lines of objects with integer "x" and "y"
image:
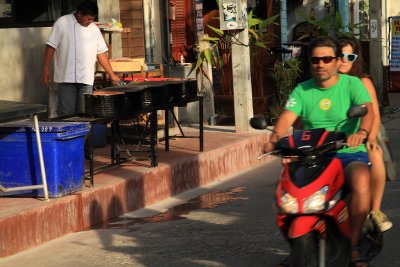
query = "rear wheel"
{"x": 305, "y": 251}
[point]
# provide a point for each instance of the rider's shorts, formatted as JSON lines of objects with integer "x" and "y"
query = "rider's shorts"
{"x": 347, "y": 158}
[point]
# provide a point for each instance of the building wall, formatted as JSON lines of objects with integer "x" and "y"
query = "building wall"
{"x": 155, "y": 28}
{"x": 298, "y": 11}
{"x": 132, "y": 18}
{"x": 393, "y": 8}
{"x": 21, "y": 57}
{"x": 390, "y": 8}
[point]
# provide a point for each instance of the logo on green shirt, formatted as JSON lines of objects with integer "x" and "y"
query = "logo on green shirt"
{"x": 291, "y": 102}
{"x": 325, "y": 104}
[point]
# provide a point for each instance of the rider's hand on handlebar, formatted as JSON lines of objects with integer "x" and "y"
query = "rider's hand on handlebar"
{"x": 356, "y": 139}
{"x": 288, "y": 159}
{"x": 268, "y": 147}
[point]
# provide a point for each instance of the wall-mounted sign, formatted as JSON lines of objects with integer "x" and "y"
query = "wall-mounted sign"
{"x": 199, "y": 17}
{"x": 374, "y": 28}
{"x": 395, "y": 44}
{"x": 233, "y": 14}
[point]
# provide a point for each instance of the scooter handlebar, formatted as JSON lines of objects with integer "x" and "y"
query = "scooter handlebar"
{"x": 273, "y": 152}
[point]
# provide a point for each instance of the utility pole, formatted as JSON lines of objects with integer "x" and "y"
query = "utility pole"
{"x": 241, "y": 72}
{"x": 233, "y": 17}
{"x": 375, "y": 46}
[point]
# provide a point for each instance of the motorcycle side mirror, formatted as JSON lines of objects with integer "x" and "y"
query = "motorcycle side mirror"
{"x": 354, "y": 112}
{"x": 258, "y": 122}
{"x": 358, "y": 111}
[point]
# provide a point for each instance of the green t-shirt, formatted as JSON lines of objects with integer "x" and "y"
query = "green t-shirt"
{"x": 326, "y": 107}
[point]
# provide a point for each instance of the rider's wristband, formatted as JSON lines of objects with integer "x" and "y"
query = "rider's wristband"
{"x": 363, "y": 130}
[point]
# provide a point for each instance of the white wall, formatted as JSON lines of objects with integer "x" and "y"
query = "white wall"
{"x": 153, "y": 24}
{"x": 109, "y": 9}
{"x": 21, "y": 57}
{"x": 297, "y": 11}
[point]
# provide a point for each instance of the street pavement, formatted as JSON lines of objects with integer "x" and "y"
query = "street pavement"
{"x": 232, "y": 223}
{"x": 239, "y": 233}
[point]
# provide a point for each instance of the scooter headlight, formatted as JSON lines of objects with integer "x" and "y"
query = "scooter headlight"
{"x": 332, "y": 202}
{"x": 289, "y": 203}
{"x": 316, "y": 202}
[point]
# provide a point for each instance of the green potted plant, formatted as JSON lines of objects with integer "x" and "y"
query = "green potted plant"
{"x": 216, "y": 51}
{"x": 285, "y": 75}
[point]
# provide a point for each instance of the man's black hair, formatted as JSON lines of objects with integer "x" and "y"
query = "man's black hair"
{"x": 325, "y": 41}
{"x": 88, "y": 8}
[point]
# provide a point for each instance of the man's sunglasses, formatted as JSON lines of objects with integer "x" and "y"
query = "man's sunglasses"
{"x": 326, "y": 60}
{"x": 350, "y": 57}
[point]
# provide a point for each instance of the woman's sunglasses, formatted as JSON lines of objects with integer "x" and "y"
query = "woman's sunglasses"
{"x": 326, "y": 60}
{"x": 350, "y": 57}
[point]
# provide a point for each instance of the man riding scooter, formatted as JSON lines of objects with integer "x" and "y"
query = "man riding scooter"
{"x": 322, "y": 102}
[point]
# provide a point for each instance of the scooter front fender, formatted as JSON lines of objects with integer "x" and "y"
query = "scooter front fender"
{"x": 302, "y": 225}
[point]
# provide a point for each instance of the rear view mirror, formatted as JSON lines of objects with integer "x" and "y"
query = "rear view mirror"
{"x": 356, "y": 112}
{"x": 258, "y": 123}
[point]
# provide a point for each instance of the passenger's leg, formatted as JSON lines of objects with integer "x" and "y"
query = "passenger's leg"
{"x": 378, "y": 179}
{"x": 358, "y": 181}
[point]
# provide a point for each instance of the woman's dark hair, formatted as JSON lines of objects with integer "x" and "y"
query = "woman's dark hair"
{"x": 88, "y": 8}
{"x": 325, "y": 41}
{"x": 358, "y": 66}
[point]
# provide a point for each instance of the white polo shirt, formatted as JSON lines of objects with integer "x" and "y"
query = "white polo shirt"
{"x": 76, "y": 50}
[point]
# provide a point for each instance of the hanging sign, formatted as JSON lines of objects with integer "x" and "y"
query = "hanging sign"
{"x": 395, "y": 44}
{"x": 232, "y": 14}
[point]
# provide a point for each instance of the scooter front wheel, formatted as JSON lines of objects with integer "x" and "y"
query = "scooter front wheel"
{"x": 305, "y": 250}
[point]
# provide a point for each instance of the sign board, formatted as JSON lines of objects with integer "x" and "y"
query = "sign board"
{"x": 394, "y": 50}
{"x": 233, "y": 14}
{"x": 374, "y": 28}
{"x": 395, "y": 44}
{"x": 199, "y": 17}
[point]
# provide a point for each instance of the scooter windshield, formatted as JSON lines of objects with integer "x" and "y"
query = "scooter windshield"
{"x": 302, "y": 173}
{"x": 304, "y": 143}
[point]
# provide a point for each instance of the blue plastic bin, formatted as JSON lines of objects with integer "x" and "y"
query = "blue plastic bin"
{"x": 63, "y": 153}
{"x": 99, "y": 132}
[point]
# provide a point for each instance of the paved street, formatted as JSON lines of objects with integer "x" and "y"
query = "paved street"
{"x": 239, "y": 231}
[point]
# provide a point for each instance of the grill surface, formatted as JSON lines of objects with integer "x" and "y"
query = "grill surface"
{"x": 134, "y": 97}
{"x": 105, "y": 104}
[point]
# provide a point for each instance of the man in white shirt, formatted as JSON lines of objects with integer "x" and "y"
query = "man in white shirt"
{"x": 76, "y": 43}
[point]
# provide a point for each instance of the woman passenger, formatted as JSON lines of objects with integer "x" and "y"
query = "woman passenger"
{"x": 352, "y": 64}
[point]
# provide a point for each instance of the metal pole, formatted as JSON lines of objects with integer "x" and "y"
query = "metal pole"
{"x": 41, "y": 160}
{"x": 375, "y": 47}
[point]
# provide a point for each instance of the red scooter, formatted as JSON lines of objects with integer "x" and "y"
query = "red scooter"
{"x": 311, "y": 199}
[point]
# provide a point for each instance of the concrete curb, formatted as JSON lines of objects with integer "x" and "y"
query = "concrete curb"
{"x": 131, "y": 191}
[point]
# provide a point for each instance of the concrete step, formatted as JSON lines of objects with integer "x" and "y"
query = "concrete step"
{"x": 29, "y": 222}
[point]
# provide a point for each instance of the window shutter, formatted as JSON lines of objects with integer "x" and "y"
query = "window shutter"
{"x": 178, "y": 29}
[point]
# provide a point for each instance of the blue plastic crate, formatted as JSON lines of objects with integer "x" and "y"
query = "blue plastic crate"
{"x": 63, "y": 153}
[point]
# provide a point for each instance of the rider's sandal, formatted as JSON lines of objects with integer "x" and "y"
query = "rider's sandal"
{"x": 359, "y": 261}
